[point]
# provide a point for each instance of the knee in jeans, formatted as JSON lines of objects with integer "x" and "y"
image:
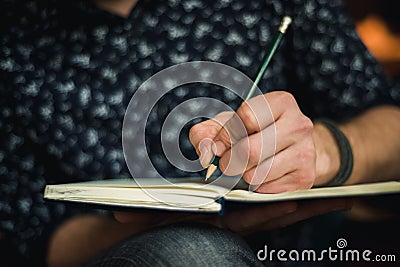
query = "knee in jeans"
{"x": 183, "y": 245}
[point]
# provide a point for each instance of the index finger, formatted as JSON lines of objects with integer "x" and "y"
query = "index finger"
{"x": 254, "y": 115}
{"x": 208, "y": 129}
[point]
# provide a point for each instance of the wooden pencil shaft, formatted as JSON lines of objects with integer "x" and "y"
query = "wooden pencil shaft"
{"x": 265, "y": 62}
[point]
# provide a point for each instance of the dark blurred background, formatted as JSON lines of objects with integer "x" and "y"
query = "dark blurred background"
{"x": 374, "y": 223}
{"x": 378, "y": 24}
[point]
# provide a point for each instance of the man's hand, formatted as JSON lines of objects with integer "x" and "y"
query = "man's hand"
{"x": 275, "y": 151}
{"x": 269, "y": 216}
{"x": 244, "y": 220}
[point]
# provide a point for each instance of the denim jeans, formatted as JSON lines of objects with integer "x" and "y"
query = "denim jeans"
{"x": 180, "y": 245}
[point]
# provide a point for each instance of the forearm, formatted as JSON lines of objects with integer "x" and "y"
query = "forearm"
{"x": 375, "y": 140}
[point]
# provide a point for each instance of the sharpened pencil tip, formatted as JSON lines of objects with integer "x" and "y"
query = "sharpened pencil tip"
{"x": 211, "y": 169}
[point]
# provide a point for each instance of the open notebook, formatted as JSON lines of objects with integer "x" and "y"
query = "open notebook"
{"x": 192, "y": 194}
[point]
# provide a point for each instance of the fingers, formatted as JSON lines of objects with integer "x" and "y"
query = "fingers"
{"x": 300, "y": 179}
{"x": 233, "y": 131}
{"x": 257, "y": 148}
{"x": 259, "y": 112}
{"x": 292, "y": 169}
{"x": 250, "y": 151}
{"x": 246, "y": 219}
{"x": 201, "y": 136}
{"x": 264, "y": 126}
{"x": 299, "y": 156}
{"x": 252, "y": 116}
{"x": 308, "y": 209}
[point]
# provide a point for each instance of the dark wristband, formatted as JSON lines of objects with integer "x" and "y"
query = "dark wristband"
{"x": 345, "y": 151}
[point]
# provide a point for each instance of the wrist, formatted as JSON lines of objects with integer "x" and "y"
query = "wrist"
{"x": 327, "y": 155}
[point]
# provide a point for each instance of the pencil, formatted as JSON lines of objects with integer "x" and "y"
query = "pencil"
{"x": 260, "y": 73}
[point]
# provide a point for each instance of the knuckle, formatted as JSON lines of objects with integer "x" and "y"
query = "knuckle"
{"x": 286, "y": 98}
{"x": 305, "y": 180}
{"x": 305, "y": 124}
{"x": 248, "y": 118}
{"x": 306, "y": 154}
{"x": 302, "y": 126}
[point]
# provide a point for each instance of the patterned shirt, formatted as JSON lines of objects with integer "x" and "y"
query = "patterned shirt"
{"x": 68, "y": 71}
